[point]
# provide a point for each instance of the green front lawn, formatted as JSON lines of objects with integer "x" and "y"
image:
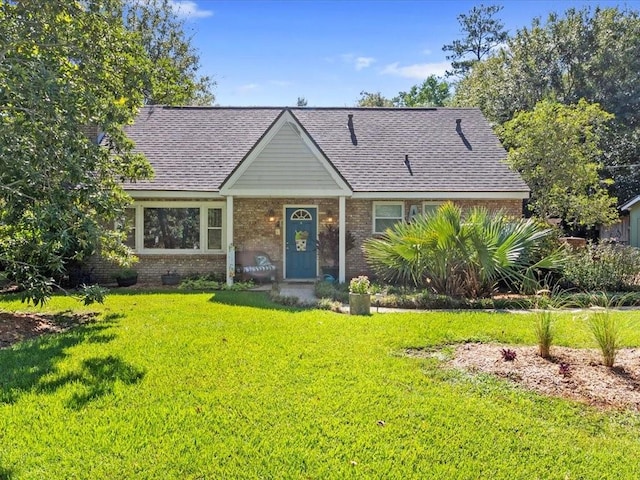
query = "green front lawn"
{"x": 186, "y": 385}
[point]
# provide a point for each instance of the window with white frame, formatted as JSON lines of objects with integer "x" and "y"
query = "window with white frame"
{"x": 130, "y": 227}
{"x": 386, "y": 215}
{"x": 178, "y": 227}
{"x": 214, "y": 229}
{"x": 171, "y": 228}
{"x": 431, "y": 206}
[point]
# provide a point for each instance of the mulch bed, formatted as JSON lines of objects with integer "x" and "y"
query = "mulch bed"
{"x": 582, "y": 377}
{"x": 16, "y": 327}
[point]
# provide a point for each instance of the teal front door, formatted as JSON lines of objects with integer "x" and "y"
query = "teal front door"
{"x": 300, "y": 246}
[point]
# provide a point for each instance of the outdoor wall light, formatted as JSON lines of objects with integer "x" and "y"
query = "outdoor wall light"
{"x": 271, "y": 216}
{"x": 329, "y": 216}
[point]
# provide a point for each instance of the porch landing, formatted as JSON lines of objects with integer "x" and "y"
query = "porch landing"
{"x": 304, "y": 291}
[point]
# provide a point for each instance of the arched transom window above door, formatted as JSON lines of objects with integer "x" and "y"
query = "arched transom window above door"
{"x": 301, "y": 214}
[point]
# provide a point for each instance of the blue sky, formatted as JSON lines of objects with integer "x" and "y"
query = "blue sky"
{"x": 269, "y": 53}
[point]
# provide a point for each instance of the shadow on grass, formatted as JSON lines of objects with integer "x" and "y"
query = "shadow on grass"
{"x": 25, "y": 364}
{"x": 96, "y": 378}
{"x": 6, "y": 474}
{"x": 251, "y": 299}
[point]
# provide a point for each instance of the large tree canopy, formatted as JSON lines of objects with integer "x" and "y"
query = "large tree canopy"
{"x": 175, "y": 78}
{"x": 63, "y": 66}
{"x": 583, "y": 54}
{"x": 555, "y": 149}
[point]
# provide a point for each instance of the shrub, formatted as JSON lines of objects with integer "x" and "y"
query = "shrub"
{"x": 462, "y": 256}
{"x": 333, "y": 291}
{"x": 602, "y": 267}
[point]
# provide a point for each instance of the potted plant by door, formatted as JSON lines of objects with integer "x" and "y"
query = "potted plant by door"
{"x": 126, "y": 277}
{"x": 171, "y": 278}
{"x": 359, "y": 296}
{"x": 329, "y": 249}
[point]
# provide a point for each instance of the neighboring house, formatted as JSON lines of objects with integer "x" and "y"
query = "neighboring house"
{"x": 629, "y": 227}
{"x": 250, "y": 179}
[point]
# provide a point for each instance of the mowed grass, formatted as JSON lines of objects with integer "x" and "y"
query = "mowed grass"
{"x": 180, "y": 385}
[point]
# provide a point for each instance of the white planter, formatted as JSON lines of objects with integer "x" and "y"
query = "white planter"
{"x": 301, "y": 245}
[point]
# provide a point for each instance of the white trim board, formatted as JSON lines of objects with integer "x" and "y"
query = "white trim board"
{"x": 441, "y": 195}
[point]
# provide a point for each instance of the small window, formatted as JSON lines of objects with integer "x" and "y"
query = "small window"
{"x": 430, "y": 207}
{"x": 386, "y": 215}
{"x": 214, "y": 229}
{"x": 130, "y": 227}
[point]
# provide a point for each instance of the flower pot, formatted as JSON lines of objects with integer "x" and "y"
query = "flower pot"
{"x": 127, "y": 281}
{"x": 171, "y": 279}
{"x": 359, "y": 304}
{"x": 301, "y": 245}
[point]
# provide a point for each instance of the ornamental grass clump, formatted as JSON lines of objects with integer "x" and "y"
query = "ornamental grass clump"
{"x": 607, "y": 331}
{"x": 544, "y": 332}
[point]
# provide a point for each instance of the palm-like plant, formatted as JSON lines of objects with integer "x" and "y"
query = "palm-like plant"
{"x": 461, "y": 255}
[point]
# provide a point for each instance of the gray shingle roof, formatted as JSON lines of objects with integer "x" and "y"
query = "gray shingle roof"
{"x": 197, "y": 148}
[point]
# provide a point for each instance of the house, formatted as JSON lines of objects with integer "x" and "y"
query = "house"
{"x": 258, "y": 179}
{"x": 627, "y": 230}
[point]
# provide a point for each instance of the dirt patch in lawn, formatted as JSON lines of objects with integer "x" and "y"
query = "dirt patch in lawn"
{"x": 16, "y": 327}
{"x": 576, "y": 374}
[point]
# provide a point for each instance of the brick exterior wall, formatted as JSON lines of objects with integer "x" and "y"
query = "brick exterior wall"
{"x": 360, "y": 223}
{"x": 151, "y": 267}
{"x": 253, "y": 231}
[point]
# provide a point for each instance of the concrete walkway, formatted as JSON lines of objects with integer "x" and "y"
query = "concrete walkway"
{"x": 304, "y": 291}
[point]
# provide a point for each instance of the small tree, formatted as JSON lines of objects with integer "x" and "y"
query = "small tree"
{"x": 555, "y": 148}
{"x": 433, "y": 92}
{"x": 368, "y": 99}
{"x": 483, "y": 32}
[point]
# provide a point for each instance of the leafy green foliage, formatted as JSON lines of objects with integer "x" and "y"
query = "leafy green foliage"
{"x": 483, "y": 32}
{"x": 433, "y": 92}
{"x": 556, "y": 150}
{"x": 211, "y": 282}
{"x": 585, "y": 54}
{"x": 65, "y": 65}
{"x": 602, "y": 267}
{"x": 458, "y": 255}
{"x": 376, "y": 99}
{"x": 175, "y": 77}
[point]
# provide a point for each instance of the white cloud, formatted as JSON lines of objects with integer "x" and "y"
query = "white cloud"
{"x": 363, "y": 62}
{"x": 189, "y": 9}
{"x": 281, "y": 83}
{"x": 418, "y": 71}
{"x": 358, "y": 63}
{"x": 426, "y": 51}
{"x": 247, "y": 88}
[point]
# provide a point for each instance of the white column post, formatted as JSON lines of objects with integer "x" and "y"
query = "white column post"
{"x": 231, "y": 249}
{"x": 342, "y": 240}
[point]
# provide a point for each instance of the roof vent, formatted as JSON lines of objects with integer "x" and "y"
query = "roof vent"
{"x": 459, "y": 131}
{"x": 407, "y": 163}
{"x": 352, "y": 130}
